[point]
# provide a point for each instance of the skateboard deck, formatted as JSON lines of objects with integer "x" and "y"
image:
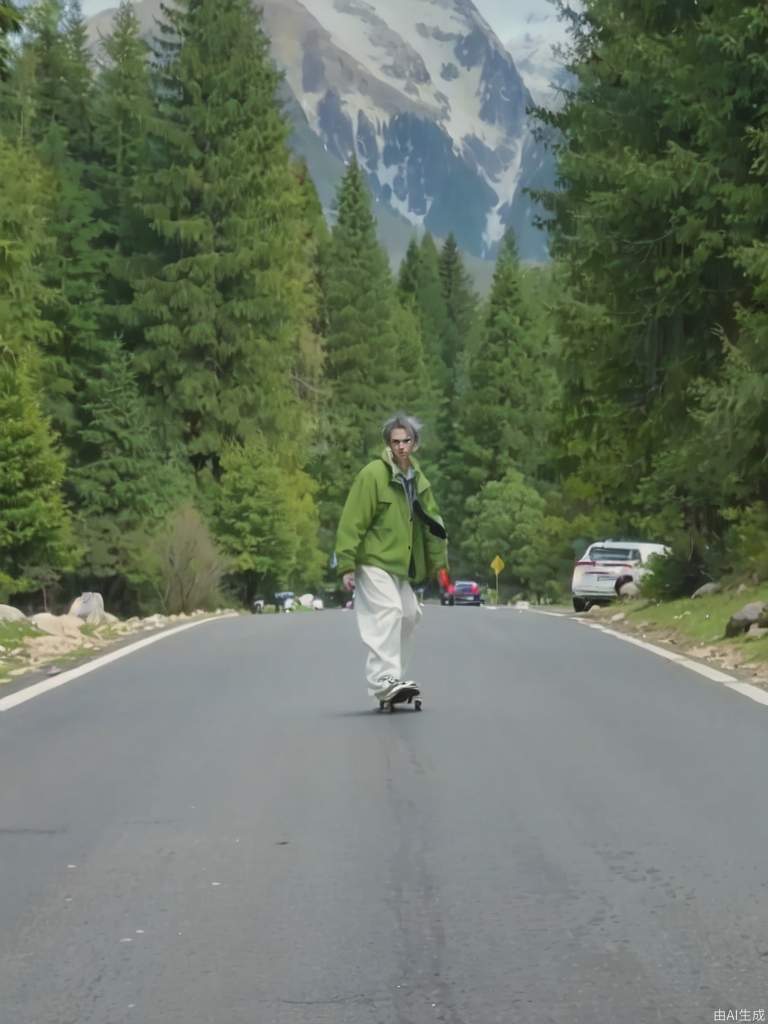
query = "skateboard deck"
{"x": 408, "y": 695}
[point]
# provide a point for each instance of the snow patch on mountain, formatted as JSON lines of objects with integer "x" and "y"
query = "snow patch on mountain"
{"x": 426, "y": 97}
{"x": 449, "y": 69}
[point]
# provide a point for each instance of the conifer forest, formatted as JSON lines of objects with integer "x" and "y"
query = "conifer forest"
{"x": 194, "y": 363}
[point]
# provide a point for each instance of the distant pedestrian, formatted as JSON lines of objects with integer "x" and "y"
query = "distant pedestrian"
{"x": 390, "y": 535}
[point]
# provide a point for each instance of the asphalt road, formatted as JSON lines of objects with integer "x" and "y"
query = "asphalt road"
{"x": 217, "y": 830}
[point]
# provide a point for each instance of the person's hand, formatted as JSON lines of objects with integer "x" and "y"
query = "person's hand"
{"x": 348, "y": 581}
{"x": 445, "y": 580}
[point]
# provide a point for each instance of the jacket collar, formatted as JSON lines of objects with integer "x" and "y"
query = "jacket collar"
{"x": 421, "y": 481}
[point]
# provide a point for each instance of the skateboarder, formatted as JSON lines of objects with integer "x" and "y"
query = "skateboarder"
{"x": 390, "y": 535}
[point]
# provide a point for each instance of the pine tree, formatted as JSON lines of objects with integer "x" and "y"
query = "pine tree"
{"x": 53, "y": 68}
{"x": 35, "y": 526}
{"x": 659, "y": 192}
{"x": 123, "y": 111}
{"x": 462, "y": 312}
{"x": 420, "y": 290}
{"x": 263, "y": 520}
{"x": 75, "y": 94}
{"x": 58, "y": 73}
{"x": 500, "y": 411}
{"x": 411, "y": 388}
{"x": 361, "y": 342}
{"x": 10, "y": 22}
{"x": 309, "y": 367}
{"x": 223, "y": 310}
{"x": 24, "y": 203}
{"x": 124, "y": 481}
{"x": 410, "y": 271}
{"x": 34, "y": 523}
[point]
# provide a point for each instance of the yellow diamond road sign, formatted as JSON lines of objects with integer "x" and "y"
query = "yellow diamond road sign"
{"x": 497, "y": 565}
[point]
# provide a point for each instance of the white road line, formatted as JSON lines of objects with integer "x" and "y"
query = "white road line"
{"x": 37, "y": 689}
{"x": 745, "y": 689}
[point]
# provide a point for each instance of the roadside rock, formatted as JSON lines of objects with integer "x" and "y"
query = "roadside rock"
{"x": 741, "y": 621}
{"x": 756, "y": 631}
{"x": 58, "y": 625}
{"x": 707, "y": 588}
{"x": 629, "y": 590}
{"x": 619, "y": 617}
{"x": 10, "y": 614}
{"x": 87, "y": 604}
{"x": 153, "y": 622}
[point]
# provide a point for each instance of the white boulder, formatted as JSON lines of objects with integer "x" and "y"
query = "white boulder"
{"x": 10, "y": 614}
{"x": 58, "y": 625}
{"x": 87, "y": 604}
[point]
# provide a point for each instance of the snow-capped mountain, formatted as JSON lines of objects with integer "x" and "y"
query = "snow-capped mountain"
{"x": 428, "y": 99}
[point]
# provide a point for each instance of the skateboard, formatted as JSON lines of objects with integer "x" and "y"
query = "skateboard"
{"x": 408, "y": 695}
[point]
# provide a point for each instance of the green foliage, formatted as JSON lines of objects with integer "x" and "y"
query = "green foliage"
{"x": 10, "y": 22}
{"x": 222, "y": 310}
{"x": 51, "y": 86}
{"x": 501, "y": 419}
{"x": 24, "y": 199}
{"x": 675, "y": 575}
{"x": 420, "y": 291}
{"x": 361, "y": 342}
{"x": 661, "y": 198}
{"x": 746, "y": 541}
{"x": 124, "y": 481}
{"x": 461, "y": 305}
{"x": 179, "y": 567}
{"x": 265, "y": 520}
{"x": 35, "y": 526}
{"x": 123, "y": 110}
{"x": 73, "y": 271}
{"x": 509, "y": 517}
{"x": 53, "y": 78}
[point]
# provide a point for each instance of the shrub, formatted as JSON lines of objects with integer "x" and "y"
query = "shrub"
{"x": 746, "y": 542}
{"x": 182, "y": 564}
{"x": 675, "y": 575}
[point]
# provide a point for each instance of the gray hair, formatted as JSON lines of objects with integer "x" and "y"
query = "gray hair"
{"x": 404, "y": 422}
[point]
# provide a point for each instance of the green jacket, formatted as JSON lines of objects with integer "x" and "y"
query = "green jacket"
{"x": 377, "y": 527}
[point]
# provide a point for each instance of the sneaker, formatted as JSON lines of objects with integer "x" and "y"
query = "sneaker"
{"x": 402, "y": 691}
{"x": 387, "y": 684}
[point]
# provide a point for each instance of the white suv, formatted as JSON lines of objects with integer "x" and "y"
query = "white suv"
{"x": 607, "y": 565}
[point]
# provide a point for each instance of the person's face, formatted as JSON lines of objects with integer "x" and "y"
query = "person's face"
{"x": 401, "y": 443}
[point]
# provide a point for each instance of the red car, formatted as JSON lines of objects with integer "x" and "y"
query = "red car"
{"x": 462, "y": 592}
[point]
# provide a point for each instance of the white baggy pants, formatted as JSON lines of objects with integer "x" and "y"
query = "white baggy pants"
{"x": 388, "y": 612}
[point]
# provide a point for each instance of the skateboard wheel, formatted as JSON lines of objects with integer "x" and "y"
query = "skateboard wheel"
{"x": 417, "y": 705}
